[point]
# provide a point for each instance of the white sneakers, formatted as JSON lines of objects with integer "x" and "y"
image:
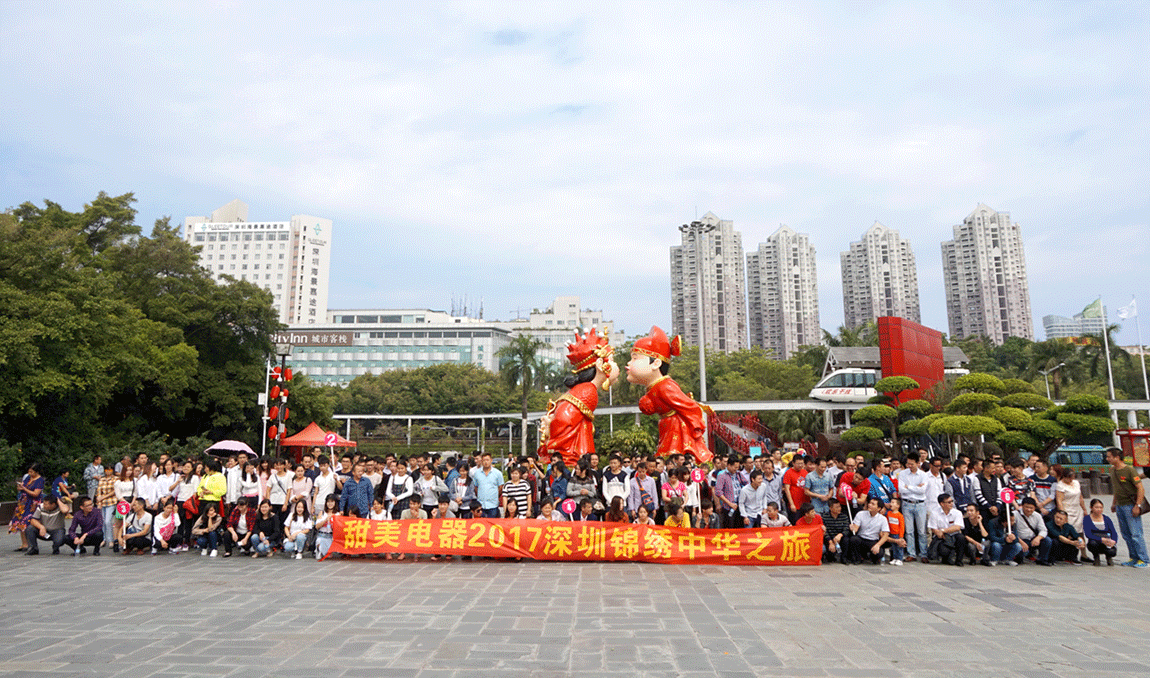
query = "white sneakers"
{"x": 298, "y": 556}
{"x": 895, "y": 561}
{"x": 213, "y": 554}
{"x": 203, "y": 552}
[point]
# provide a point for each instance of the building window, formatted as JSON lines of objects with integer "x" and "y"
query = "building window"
{"x": 199, "y": 237}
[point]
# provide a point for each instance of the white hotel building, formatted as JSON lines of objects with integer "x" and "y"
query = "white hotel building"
{"x": 290, "y": 259}
{"x": 351, "y": 342}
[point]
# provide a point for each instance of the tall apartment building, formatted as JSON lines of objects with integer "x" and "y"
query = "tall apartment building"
{"x": 718, "y": 253}
{"x": 783, "y": 293}
{"x": 879, "y": 278}
{"x": 984, "y": 271}
{"x": 290, "y": 259}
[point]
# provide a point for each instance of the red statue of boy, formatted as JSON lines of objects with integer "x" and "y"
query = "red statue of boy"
{"x": 569, "y": 425}
{"x": 681, "y": 423}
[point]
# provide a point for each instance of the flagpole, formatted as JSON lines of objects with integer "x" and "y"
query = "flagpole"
{"x": 1106, "y": 349}
{"x": 1141, "y": 351}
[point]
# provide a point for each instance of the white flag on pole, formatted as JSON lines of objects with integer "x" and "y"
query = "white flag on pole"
{"x": 1128, "y": 311}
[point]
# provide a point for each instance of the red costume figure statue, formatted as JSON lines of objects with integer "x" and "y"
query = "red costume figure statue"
{"x": 569, "y": 425}
{"x": 681, "y": 424}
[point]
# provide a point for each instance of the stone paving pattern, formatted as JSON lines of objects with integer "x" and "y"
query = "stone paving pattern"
{"x": 187, "y": 615}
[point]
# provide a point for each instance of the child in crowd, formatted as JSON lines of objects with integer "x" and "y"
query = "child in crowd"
{"x": 897, "y": 539}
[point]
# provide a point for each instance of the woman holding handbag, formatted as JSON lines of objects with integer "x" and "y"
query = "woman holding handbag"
{"x": 165, "y": 528}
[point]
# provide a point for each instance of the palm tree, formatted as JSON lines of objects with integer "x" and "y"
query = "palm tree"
{"x": 520, "y": 365}
{"x": 1094, "y": 352}
{"x": 1046, "y": 355}
{"x": 863, "y": 335}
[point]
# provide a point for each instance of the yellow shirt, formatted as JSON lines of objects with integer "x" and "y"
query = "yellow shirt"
{"x": 212, "y": 487}
{"x": 672, "y": 521}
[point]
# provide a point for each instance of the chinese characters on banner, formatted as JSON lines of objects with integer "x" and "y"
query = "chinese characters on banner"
{"x": 588, "y": 541}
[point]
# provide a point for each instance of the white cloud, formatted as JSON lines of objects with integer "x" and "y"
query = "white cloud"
{"x": 517, "y": 152}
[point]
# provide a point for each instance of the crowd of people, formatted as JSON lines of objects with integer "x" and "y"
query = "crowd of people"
{"x": 887, "y": 510}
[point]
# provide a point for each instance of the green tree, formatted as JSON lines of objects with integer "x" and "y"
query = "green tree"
{"x": 862, "y": 434}
{"x": 519, "y": 365}
{"x": 878, "y": 415}
{"x": 630, "y": 440}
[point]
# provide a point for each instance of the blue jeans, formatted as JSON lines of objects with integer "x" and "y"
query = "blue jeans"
{"x": 1000, "y": 553}
{"x": 1042, "y": 551}
{"x": 1131, "y": 528}
{"x": 208, "y": 541}
{"x": 897, "y": 552}
{"x": 916, "y": 541}
{"x": 322, "y": 544}
{"x": 295, "y": 545}
{"x": 491, "y": 513}
{"x": 109, "y": 513}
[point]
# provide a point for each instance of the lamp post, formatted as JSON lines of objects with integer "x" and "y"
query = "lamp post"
{"x": 284, "y": 352}
{"x": 1047, "y": 380}
{"x": 698, "y": 228}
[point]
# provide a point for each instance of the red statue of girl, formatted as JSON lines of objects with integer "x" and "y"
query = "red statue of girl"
{"x": 569, "y": 425}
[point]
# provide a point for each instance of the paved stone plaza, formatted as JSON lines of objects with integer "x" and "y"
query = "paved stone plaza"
{"x": 187, "y": 615}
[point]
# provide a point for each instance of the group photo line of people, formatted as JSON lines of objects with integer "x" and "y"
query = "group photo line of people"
{"x": 890, "y": 509}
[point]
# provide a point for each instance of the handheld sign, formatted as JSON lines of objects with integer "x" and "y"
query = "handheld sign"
{"x": 123, "y": 508}
{"x": 848, "y": 492}
{"x": 755, "y": 450}
{"x": 568, "y": 506}
{"x": 330, "y": 439}
{"x": 1006, "y": 495}
{"x": 698, "y": 475}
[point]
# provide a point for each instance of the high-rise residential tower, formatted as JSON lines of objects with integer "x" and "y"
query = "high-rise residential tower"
{"x": 713, "y": 246}
{"x": 783, "y": 293}
{"x": 879, "y": 278}
{"x": 290, "y": 259}
{"x": 984, "y": 271}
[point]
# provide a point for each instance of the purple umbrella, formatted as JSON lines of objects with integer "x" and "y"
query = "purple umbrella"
{"x": 222, "y": 448}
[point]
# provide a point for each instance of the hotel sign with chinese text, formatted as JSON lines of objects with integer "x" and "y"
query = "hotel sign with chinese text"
{"x": 313, "y": 338}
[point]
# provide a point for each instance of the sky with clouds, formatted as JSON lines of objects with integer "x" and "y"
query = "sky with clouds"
{"x": 514, "y": 152}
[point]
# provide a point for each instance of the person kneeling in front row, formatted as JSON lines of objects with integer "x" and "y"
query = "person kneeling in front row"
{"x": 47, "y": 524}
{"x": 87, "y": 528}
{"x": 870, "y": 532}
{"x": 945, "y": 523}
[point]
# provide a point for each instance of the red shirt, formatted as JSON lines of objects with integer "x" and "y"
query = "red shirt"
{"x": 894, "y": 519}
{"x": 794, "y": 481}
{"x": 818, "y": 520}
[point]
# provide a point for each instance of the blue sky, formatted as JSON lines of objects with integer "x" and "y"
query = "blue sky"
{"x": 514, "y": 152}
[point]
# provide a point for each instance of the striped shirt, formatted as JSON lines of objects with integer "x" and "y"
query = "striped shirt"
{"x": 519, "y": 492}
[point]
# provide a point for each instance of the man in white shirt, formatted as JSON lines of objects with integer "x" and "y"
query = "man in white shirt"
{"x": 870, "y": 532}
{"x": 1032, "y": 533}
{"x": 946, "y": 522}
{"x": 912, "y": 491}
{"x": 753, "y": 500}
{"x": 935, "y": 483}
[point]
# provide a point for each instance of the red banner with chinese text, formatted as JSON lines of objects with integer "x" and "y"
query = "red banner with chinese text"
{"x": 579, "y": 541}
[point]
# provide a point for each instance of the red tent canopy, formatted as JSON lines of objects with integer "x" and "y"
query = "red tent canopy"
{"x": 313, "y": 436}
